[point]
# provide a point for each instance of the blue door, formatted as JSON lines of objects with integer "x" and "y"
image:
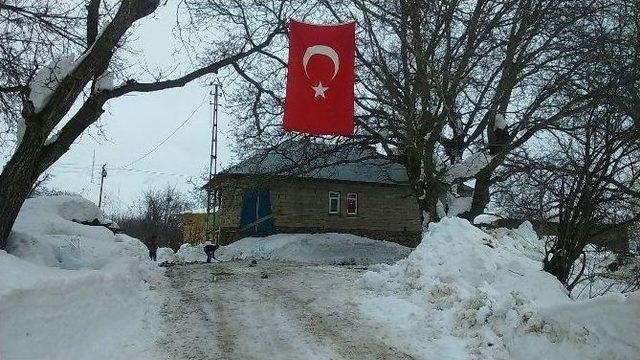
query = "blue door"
{"x": 256, "y": 218}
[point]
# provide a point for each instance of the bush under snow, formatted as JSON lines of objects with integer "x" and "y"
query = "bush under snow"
{"x": 465, "y": 294}
{"x": 73, "y": 291}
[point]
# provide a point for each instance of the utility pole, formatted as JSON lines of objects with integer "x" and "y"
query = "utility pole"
{"x": 103, "y": 175}
{"x": 93, "y": 164}
{"x": 213, "y": 165}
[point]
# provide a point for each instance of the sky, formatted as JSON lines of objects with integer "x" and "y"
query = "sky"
{"x": 134, "y": 125}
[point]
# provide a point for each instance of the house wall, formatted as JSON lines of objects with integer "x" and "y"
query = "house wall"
{"x": 194, "y": 228}
{"x": 386, "y": 212}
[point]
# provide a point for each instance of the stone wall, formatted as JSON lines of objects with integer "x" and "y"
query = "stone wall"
{"x": 194, "y": 230}
{"x": 386, "y": 212}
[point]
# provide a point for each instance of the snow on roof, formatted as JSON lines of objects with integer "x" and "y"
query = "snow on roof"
{"x": 320, "y": 161}
{"x": 195, "y": 211}
{"x": 198, "y": 211}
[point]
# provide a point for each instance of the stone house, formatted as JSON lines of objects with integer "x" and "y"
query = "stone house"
{"x": 194, "y": 226}
{"x": 368, "y": 197}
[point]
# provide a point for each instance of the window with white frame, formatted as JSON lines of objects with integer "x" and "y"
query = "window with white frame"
{"x": 352, "y": 204}
{"x": 334, "y": 202}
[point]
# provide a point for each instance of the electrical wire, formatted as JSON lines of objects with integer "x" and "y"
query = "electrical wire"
{"x": 148, "y": 171}
{"x": 168, "y": 137}
{"x": 72, "y": 168}
{"x": 78, "y": 168}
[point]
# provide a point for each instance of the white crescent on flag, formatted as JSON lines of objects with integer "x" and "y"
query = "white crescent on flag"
{"x": 321, "y": 50}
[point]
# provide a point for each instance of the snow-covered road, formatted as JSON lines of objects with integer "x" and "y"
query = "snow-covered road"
{"x": 230, "y": 311}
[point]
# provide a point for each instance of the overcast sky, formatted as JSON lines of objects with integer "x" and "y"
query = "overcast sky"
{"x": 134, "y": 125}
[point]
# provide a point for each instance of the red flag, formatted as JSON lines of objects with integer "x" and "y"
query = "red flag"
{"x": 320, "y": 79}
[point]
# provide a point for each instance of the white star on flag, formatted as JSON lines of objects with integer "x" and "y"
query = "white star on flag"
{"x": 319, "y": 89}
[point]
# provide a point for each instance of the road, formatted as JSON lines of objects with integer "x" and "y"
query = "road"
{"x": 231, "y": 310}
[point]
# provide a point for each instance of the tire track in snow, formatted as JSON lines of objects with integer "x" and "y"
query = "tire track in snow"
{"x": 299, "y": 312}
{"x": 350, "y": 337}
{"x": 183, "y": 311}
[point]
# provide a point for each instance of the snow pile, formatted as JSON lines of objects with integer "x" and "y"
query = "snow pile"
{"x": 465, "y": 294}
{"x": 74, "y": 291}
{"x": 190, "y": 253}
{"x": 166, "y": 255}
{"x": 331, "y": 248}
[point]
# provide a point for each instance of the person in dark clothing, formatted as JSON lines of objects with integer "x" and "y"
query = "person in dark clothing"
{"x": 210, "y": 250}
{"x": 153, "y": 248}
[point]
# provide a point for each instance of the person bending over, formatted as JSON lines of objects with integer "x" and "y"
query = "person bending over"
{"x": 210, "y": 250}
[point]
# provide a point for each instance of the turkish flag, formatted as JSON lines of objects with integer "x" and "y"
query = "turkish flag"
{"x": 320, "y": 79}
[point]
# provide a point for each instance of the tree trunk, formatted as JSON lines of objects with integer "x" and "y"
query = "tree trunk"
{"x": 427, "y": 192}
{"x": 560, "y": 266}
{"x": 481, "y": 196}
{"x": 16, "y": 180}
{"x": 563, "y": 257}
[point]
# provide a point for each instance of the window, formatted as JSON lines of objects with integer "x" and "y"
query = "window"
{"x": 334, "y": 202}
{"x": 352, "y": 204}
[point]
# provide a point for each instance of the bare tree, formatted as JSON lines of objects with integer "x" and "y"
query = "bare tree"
{"x": 618, "y": 45}
{"x": 582, "y": 180}
{"x": 606, "y": 271}
{"x": 57, "y": 102}
{"x": 30, "y": 33}
{"x": 447, "y": 88}
{"x": 157, "y": 213}
{"x": 40, "y": 186}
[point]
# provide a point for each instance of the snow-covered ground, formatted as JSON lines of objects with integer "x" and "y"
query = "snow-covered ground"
{"x": 328, "y": 249}
{"x": 462, "y": 294}
{"x": 228, "y": 310}
{"x": 73, "y": 291}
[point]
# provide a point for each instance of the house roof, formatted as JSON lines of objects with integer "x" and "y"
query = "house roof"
{"x": 319, "y": 161}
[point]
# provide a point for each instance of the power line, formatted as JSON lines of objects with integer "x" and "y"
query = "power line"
{"x": 72, "y": 168}
{"x": 169, "y": 136}
{"x": 155, "y": 172}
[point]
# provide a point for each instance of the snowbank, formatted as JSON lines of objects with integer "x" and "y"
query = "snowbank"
{"x": 166, "y": 255}
{"x": 191, "y": 253}
{"x": 331, "y": 248}
{"x": 73, "y": 291}
{"x": 465, "y": 294}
